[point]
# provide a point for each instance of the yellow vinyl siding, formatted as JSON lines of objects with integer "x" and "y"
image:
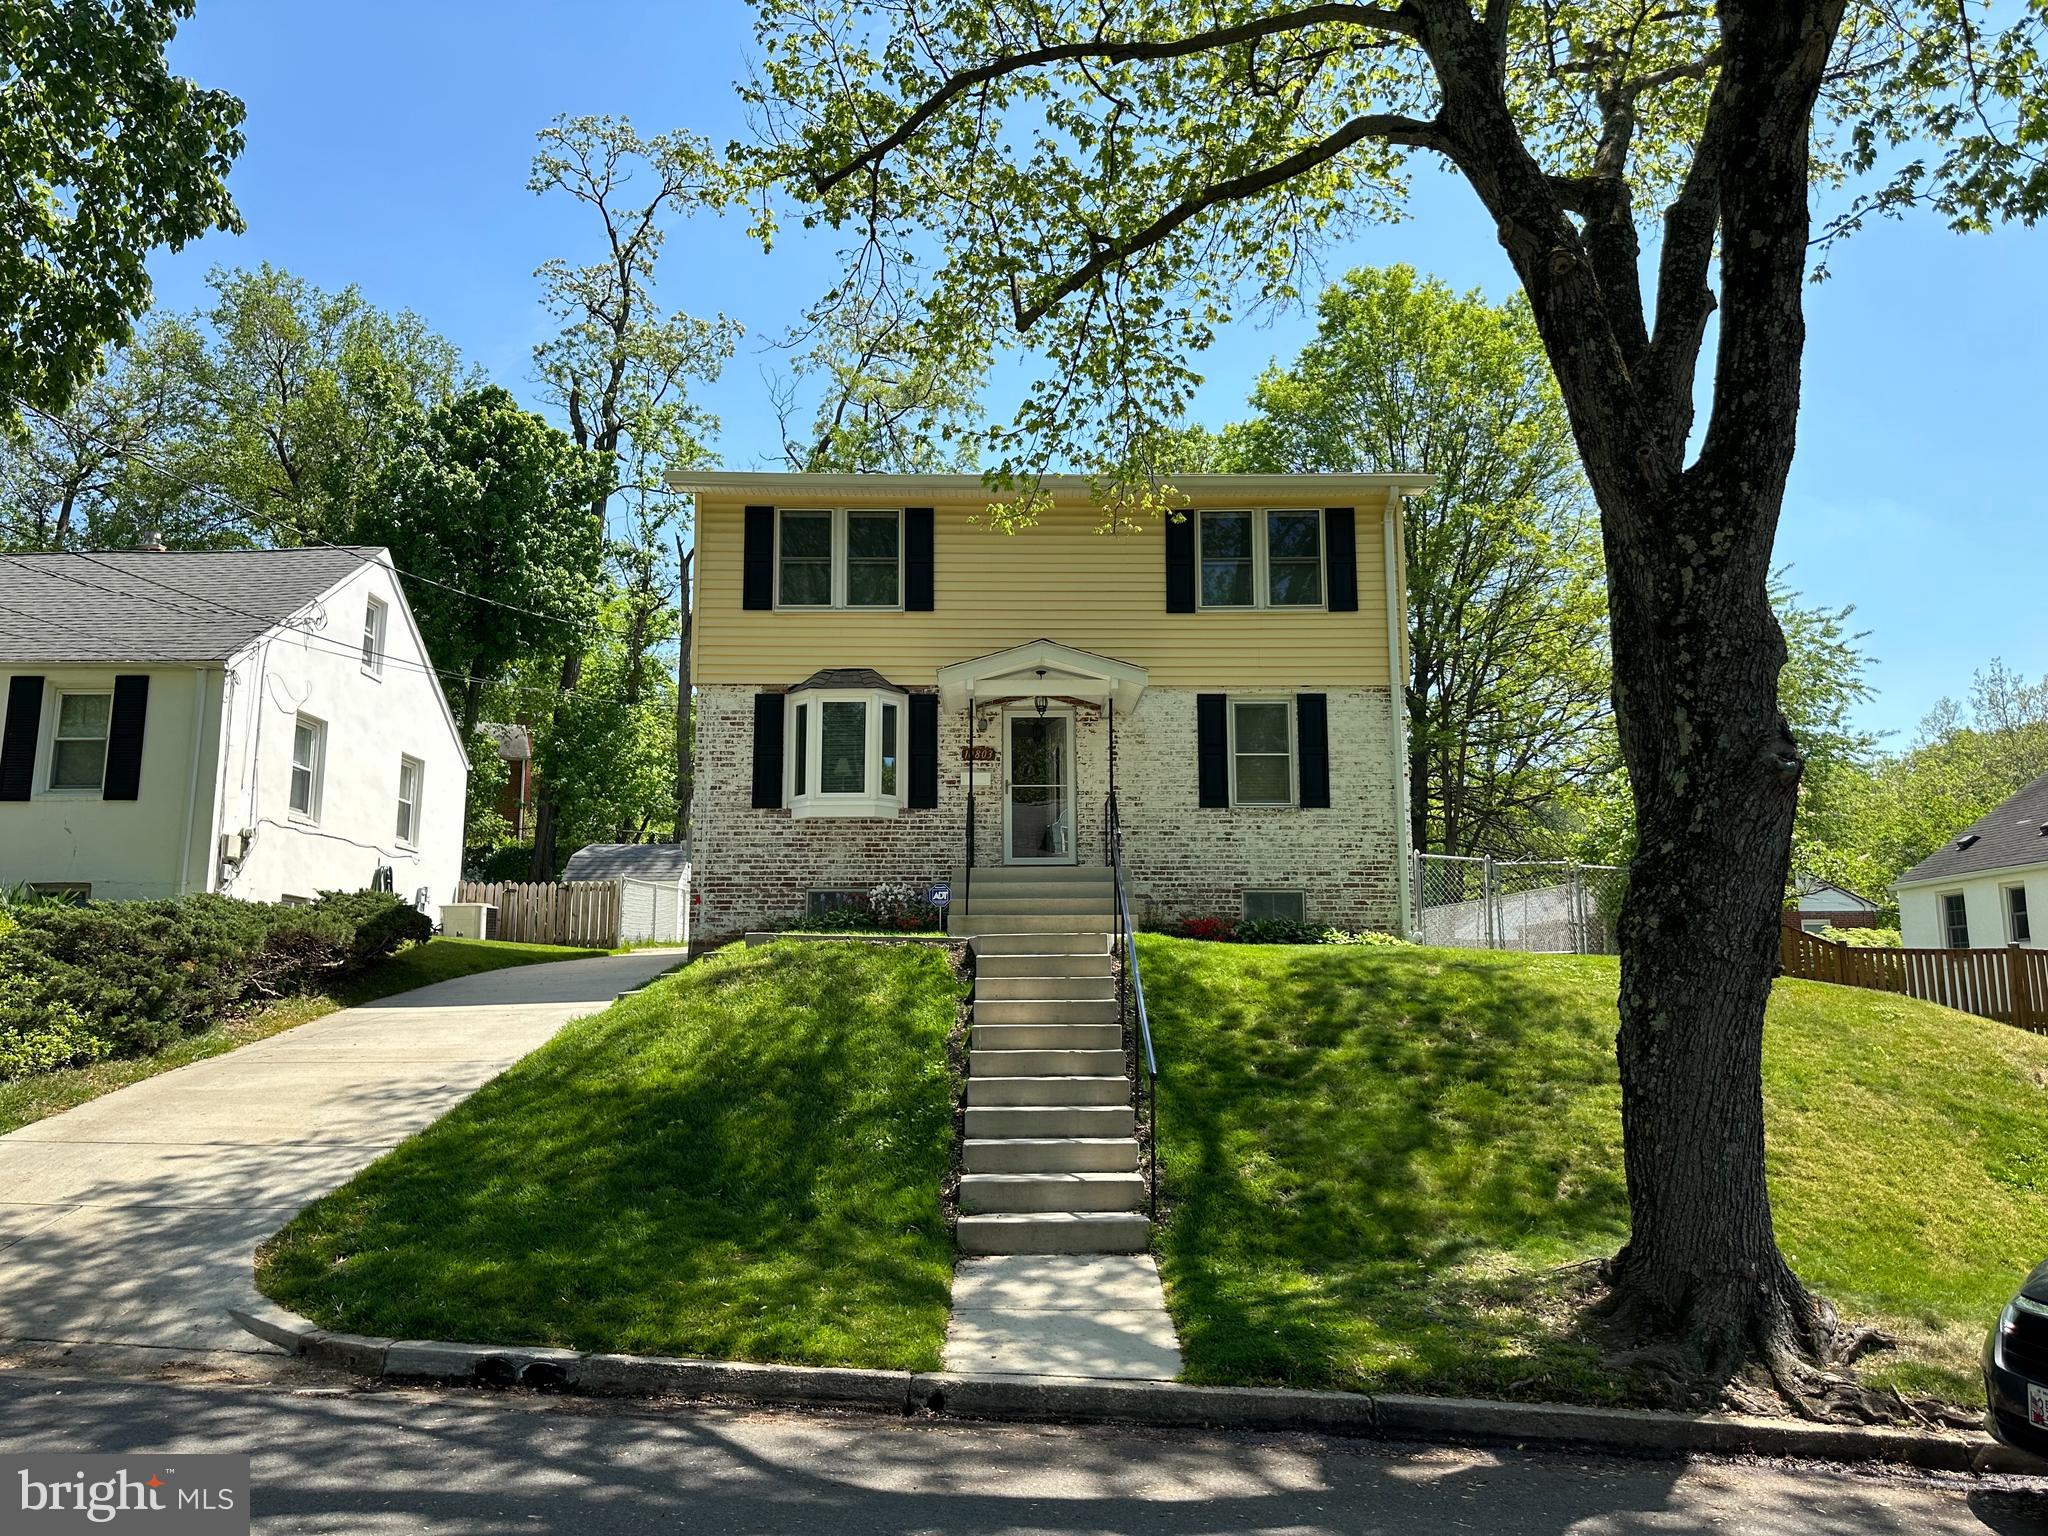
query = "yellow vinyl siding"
{"x": 1058, "y": 580}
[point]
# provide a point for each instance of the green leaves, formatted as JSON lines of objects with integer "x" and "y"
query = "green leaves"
{"x": 111, "y": 156}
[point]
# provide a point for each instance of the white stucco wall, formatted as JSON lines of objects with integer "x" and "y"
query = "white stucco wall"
{"x": 152, "y": 846}
{"x": 372, "y": 720}
{"x": 1920, "y": 908}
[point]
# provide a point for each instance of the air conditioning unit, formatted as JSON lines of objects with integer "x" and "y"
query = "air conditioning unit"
{"x": 469, "y": 920}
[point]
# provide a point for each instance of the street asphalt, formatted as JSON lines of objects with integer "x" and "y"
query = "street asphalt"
{"x": 327, "y": 1459}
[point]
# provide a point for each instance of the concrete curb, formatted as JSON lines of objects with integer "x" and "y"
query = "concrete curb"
{"x": 1043, "y": 1399}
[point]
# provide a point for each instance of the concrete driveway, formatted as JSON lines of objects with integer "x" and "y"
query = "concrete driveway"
{"x": 131, "y": 1220}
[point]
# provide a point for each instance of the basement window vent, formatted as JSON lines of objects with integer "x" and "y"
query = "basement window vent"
{"x": 820, "y": 902}
{"x": 1275, "y": 907}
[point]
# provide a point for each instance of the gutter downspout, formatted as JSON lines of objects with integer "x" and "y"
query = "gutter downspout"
{"x": 1397, "y": 689}
{"x": 199, "y": 676}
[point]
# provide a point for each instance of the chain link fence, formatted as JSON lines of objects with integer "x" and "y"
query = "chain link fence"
{"x": 1536, "y": 906}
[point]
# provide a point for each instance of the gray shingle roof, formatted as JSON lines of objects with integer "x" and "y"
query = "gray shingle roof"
{"x": 629, "y": 861}
{"x": 143, "y": 606}
{"x": 2009, "y": 836}
{"x": 846, "y": 677}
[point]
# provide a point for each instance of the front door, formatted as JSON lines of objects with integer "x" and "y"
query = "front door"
{"x": 1038, "y": 807}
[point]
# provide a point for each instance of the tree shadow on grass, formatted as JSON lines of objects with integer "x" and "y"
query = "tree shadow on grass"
{"x": 1384, "y": 1166}
{"x": 743, "y": 1163}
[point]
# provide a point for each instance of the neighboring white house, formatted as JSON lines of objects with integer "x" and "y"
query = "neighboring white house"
{"x": 262, "y": 723}
{"x": 1989, "y": 887}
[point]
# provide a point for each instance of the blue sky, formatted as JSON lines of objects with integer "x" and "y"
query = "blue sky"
{"x": 388, "y": 147}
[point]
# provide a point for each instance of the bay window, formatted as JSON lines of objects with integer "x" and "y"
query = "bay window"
{"x": 843, "y": 752}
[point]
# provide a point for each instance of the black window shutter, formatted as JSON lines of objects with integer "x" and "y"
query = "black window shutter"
{"x": 1212, "y": 751}
{"x": 757, "y": 579}
{"x": 124, "y": 739}
{"x": 917, "y": 560}
{"x": 768, "y": 711}
{"x": 1180, "y": 564}
{"x": 924, "y": 751}
{"x": 18, "y": 741}
{"x": 1340, "y": 554}
{"x": 1312, "y": 738}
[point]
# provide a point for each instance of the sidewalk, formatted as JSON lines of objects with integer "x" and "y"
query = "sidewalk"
{"x": 128, "y": 1219}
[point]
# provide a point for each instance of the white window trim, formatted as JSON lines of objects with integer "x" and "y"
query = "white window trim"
{"x": 2006, "y": 894}
{"x": 373, "y": 665}
{"x": 316, "y": 791}
{"x": 1941, "y": 902}
{"x": 1262, "y": 586}
{"x": 410, "y": 838}
{"x": 49, "y": 780}
{"x": 840, "y": 562}
{"x": 869, "y": 802}
{"x": 1230, "y": 703}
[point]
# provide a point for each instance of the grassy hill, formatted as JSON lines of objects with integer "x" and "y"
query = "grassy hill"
{"x": 743, "y": 1161}
{"x": 1387, "y": 1169}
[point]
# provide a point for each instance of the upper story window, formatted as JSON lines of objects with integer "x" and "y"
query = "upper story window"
{"x": 1261, "y": 751}
{"x": 844, "y": 748}
{"x": 409, "y": 771}
{"x": 376, "y": 614}
{"x": 1955, "y": 920}
{"x": 1261, "y": 559}
{"x": 309, "y": 765}
{"x": 838, "y": 559}
{"x": 78, "y": 754}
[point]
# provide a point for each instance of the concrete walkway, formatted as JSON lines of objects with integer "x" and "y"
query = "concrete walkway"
{"x": 1097, "y": 1315}
{"x": 132, "y": 1219}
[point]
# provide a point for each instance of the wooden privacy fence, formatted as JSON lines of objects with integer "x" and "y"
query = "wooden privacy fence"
{"x": 2010, "y": 984}
{"x": 583, "y": 912}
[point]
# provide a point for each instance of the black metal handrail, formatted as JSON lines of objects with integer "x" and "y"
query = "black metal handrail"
{"x": 1130, "y": 989}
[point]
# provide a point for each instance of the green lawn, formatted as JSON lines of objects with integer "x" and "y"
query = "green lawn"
{"x": 32, "y": 1098}
{"x": 1382, "y": 1164}
{"x": 744, "y": 1161}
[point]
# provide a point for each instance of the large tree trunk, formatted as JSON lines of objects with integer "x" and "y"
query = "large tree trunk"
{"x": 547, "y": 810}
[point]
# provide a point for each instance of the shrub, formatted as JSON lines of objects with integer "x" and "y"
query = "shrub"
{"x": 1280, "y": 930}
{"x": 889, "y": 908}
{"x": 123, "y": 978}
{"x": 1865, "y": 938}
{"x": 1218, "y": 929}
{"x": 498, "y": 862}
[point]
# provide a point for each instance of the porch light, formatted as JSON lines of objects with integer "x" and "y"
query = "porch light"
{"x": 1041, "y": 702}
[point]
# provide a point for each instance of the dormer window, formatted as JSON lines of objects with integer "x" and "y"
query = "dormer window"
{"x": 845, "y": 732}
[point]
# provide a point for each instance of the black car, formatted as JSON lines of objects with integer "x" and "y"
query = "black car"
{"x": 2016, "y": 1368}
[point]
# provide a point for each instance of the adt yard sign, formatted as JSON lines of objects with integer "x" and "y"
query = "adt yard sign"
{"x": 940, "y": 895}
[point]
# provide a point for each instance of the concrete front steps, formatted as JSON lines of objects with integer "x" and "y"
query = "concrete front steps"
{"x": 1051, "y": 1155}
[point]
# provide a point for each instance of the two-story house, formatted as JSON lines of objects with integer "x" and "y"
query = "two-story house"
{"x": 870, "y": 658}
{"x": 263, "y": 723}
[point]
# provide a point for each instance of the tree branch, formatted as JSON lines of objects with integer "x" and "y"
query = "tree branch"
{"x": 1389, "y": 127}
{"x": 1684, "y": 298}
{"x": 1103, "y": 50}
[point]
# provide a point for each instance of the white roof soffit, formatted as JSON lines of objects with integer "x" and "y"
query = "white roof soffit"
{"x": 781, "y": 488}
{"x": 1069, "y": 674}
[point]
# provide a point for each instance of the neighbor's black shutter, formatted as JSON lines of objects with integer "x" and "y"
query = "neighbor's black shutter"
{"x": 924, "y": 751}
{"x": 1312, "y": 737}
{"x": 18, "y": 742}
{"x": 1180, "y": 564}
{"x": 917, "y": 559}
{"x": 124, "y": 739}
{"x": 1212, "y": 751}
{"x": 768, "y": 708}
{"x": 757, "y": 581}
{"x": 1340, "y": 553}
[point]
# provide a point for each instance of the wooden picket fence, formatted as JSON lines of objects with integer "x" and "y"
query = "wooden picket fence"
{"x": 2010, "y": 985}
{"x": 580, "y": 912}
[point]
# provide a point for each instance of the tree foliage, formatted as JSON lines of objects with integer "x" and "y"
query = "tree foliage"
{"x": 491, "y": 499}
{"x": 111, "y": 156}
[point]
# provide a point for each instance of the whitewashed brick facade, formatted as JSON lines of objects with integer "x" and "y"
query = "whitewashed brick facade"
{"x": 757, "y": 867}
